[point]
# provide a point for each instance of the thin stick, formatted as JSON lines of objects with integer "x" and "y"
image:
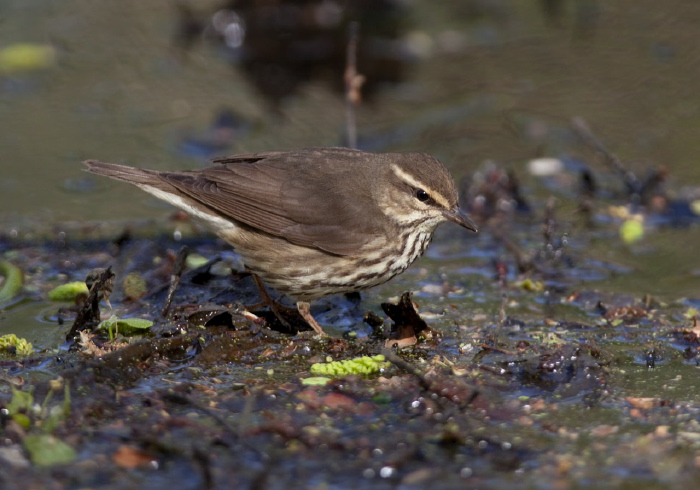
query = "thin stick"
{"x": 422, "y": 380}
{"x": 584, "y": 132}
{"x": 89, "y": 313}
{"x": 178, "y": 268}
{"x": 353, "y": 84}
{"x": 549, "y": 224}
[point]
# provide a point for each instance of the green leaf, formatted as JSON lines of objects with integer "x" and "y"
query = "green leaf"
{"x": 631, "y": 230}
{"x": 68, "y": 291}
{"x": 125, "y": 326}
{"x": 695, "y": 207}
{"x": 315, "y": 381}
{"x": 133, "y": 325}
{"x": 21, "y": 401}
{"x": 690, "y": 313}
{"x": 21, "y": 57}
{"x": 24, "y": 421}
{"x": 46, "y": 450}
{"x": 530, "y": 285}
{"x": 195, "y": 260}
{"x": 13, "y": 280}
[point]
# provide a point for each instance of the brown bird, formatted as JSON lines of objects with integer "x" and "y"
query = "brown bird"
{"x": 316, "y": 221}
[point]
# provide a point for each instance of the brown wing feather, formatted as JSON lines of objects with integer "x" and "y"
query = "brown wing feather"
{"x": 307, "y": 210}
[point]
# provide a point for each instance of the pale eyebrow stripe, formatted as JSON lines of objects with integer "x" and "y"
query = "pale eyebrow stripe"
{"x": 410, "y": 180}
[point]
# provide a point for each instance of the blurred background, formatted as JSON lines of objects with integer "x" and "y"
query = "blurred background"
{"x": 170, "y": 84}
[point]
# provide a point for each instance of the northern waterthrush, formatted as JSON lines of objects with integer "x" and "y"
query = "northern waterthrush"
{"x": 316, "y": 221}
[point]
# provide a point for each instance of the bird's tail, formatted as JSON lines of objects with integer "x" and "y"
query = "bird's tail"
{"x": 136, "y": 176}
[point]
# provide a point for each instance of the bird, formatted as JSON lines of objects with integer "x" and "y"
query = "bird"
{"x": 312, "y": 222}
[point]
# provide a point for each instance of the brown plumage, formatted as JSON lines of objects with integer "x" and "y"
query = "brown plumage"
{"x": 315, "y": 221}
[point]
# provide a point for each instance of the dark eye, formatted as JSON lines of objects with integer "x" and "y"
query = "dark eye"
{"x": 421, "y": 195}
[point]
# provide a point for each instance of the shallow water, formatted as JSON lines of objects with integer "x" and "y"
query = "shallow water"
{"x": 483, "y": 81}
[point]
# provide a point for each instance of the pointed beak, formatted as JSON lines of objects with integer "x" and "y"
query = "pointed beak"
{"x": 457, "y": 216}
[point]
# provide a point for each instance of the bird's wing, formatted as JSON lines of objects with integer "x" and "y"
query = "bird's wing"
{"x": 289, "y": 195}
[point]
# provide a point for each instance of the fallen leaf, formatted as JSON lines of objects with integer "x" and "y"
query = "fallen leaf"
{"x": 645, "y": 403}
{"x": 130, "y": 457}
{"x": 338, "y": 400}
{"x": 47, "y": 450}
{"x": 604, "y": 430}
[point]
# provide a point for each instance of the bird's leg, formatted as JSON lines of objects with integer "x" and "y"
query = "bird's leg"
{"x": 305, "y": 311}
{"x": 264, "y": 295}
{"x": 267, "y": 300}
{"x": 303, "y": 308}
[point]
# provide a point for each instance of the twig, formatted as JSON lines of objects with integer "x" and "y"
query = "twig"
{"x": 522, "y": 261}
{"x": 178, "y": 268}
{"x": 427, "y": 385}
{"x": 502, "y": 316}
{"x": 629, "y": 178}
{"x": 89, "y": 312}
{"x": 497, "y": 349}
{"x": 549, "y": 224}
{"x": 584, "y": 132}
{"x": 587, "y": 190}
{"x": 353, "y": 84}
{"x": 401, "y": 364}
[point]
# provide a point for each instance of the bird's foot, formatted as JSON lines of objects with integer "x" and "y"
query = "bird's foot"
{"x": 283, "y": 312}
{"x": 304, "y": 309}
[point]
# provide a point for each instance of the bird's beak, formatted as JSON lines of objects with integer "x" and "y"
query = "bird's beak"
{"x": 457, "y": 216}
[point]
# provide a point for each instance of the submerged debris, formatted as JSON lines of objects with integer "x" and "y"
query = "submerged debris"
{"x": 100, "y": 283}
{"x": 493, "y": 194}
{"x": 408, "y": 325}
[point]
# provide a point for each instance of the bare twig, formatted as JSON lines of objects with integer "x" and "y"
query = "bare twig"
{"x": 178, "y": 268}
{"x": 502, "y": 316}
{"x": 89, "y": 312}
{"x": 523, "y": 262}
{"x": 424, "y": 382}
{"x": 549, "y": 224}
{"x": 401, "y": 364}
{"x": 353, "y": 84}
{"x": 584, "y": 132}
{"x": 497, "y": 349}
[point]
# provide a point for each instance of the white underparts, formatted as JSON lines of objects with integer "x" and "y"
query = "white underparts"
{"x": 217, "y": 222}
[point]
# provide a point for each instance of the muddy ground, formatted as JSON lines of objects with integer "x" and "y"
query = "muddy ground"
{"x": 530, "y": 374}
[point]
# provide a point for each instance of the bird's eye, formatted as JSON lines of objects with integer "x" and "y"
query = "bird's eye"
{"x": 421, "y": 195}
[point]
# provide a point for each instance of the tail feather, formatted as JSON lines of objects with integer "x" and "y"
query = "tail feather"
{"x": 152, "y": 182}
{"x": 136, "y": 176}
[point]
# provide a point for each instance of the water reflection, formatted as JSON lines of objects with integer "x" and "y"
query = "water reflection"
{"x": 282, "y": 45}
